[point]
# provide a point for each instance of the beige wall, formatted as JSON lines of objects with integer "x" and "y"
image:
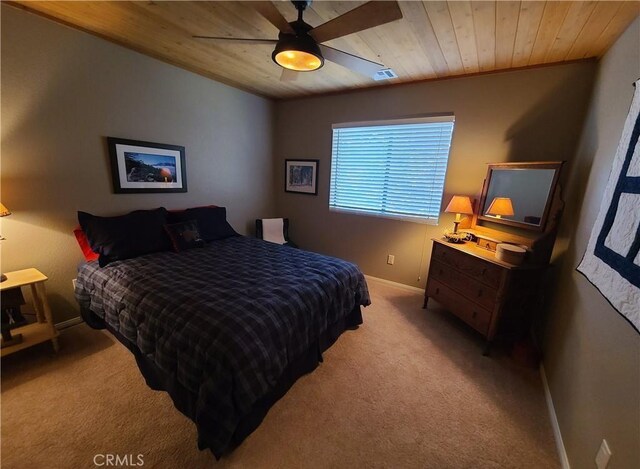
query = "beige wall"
{"x": 524, "y": 115}
{"x": 63, "y": 92}
{"x": 592, "y": 358}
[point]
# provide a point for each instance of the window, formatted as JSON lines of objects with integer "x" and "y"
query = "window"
{"x": 391, "y": 169}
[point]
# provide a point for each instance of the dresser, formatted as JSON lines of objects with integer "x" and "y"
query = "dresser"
{"x": 493, "y": 297}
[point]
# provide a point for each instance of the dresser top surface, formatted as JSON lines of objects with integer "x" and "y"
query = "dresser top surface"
{"x": 474, "y": 250}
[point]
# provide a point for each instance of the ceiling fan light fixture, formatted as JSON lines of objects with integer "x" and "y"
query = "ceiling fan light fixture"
{"x": 299, "y": 53}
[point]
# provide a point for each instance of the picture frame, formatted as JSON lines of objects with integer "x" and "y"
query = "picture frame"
{"x": 301, "y": 176}
{"x": 139, "y": 167}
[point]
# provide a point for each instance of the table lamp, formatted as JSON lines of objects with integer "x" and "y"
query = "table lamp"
{"x": 4, "y": 211}
{"x": 459, "y": 204}
{"x": 501, "y": 206}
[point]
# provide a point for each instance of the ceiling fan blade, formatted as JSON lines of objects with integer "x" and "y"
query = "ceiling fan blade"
{"x": 289, "y": 75}
{"x": 240, "y": 40}
{"x": 366, "y": 16}
{"x": 273, "y": 15}
{"x": 350, "y": 61}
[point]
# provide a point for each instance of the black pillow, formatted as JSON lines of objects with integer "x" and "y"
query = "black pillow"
{"x": 185, "y": 235}
{"x": 212, "y": 221}
{"x": 116, "y": 238}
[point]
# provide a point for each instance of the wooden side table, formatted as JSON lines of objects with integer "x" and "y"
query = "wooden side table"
{"x": 43, "y": 329}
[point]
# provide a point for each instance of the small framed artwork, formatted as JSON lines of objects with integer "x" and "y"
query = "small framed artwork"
{"x": 301, "y": 176}
{"x": 146, "y": 167}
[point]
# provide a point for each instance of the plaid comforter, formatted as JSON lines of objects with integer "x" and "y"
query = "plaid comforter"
{"x": 224, "y": 320}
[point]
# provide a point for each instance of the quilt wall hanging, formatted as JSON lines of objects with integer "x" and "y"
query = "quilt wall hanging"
{"x": 612, "y": 259}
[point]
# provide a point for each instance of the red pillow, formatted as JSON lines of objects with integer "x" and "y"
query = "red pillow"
{"x": 83, "y": 242}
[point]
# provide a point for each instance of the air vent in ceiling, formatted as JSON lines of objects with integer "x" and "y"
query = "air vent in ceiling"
{"x": 385, "y": 74}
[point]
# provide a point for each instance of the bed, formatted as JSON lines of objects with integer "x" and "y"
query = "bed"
{"x": 225, "y": 329}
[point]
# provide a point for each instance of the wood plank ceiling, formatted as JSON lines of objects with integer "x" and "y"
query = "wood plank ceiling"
{"x": 435, "y": 39}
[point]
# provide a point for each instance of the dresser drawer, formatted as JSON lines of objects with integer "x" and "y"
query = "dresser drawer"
{"x": 475, "y": 291}
{"x": 477, "y": 317}
{"x": 479, "y": 269}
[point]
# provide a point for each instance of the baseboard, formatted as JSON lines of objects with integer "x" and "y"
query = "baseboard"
{"x": 395, "y": 284}
{"x": 557, "y": 435}
{"x": 68, "y": 323}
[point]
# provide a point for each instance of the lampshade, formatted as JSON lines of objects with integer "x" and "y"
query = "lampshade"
{"x": 299, "y": 53}
{"x": 460, "y": 204}
{"x": 501, "y": 206}
{"x": 4, "y": 211}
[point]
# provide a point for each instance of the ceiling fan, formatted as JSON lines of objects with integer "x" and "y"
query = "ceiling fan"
{"x": 299, "y": 46}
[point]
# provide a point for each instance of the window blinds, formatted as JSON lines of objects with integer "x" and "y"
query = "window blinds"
{"x": 393, "y": 169}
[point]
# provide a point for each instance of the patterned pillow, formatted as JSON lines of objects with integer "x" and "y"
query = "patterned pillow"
{"x": 212, "y": 221}
{"x": 185, "y": 235}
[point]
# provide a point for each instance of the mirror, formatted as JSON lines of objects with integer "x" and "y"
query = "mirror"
{"x": 519, "y": 194}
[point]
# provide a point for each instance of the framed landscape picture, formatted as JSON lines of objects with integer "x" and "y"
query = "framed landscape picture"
{"x": 145, "y": 167}
{"x": 301, "y": 176}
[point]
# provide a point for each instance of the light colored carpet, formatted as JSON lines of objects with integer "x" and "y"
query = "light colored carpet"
{"x": 409, "y": 388}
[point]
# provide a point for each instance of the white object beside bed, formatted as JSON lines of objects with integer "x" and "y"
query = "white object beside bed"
{"x": 273, "y": 230}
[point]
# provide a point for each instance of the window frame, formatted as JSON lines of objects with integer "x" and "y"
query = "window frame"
{"x": 446, "y": 117}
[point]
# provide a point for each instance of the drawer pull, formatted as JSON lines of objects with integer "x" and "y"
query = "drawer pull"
{"x": 483, "y": 271}
{"x": 475, "y": 313}
{"x": 437, "y": 291}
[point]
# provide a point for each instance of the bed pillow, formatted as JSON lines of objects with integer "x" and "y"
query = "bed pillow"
{"x": 117, "y": 238}
{"x": 176, "y": 212}
{"x": 83, "y": 242}
{"x": 212, "y": 221}
{"x": 184, "y": 235}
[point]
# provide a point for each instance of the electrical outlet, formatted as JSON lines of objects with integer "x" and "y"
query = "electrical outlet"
{"x": 73, "y": 282}
{"x": 391, "y": 259}
{"x": 603, "y": 456}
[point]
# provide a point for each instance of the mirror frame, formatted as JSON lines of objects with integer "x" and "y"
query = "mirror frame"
{"x": 556, "y": 165}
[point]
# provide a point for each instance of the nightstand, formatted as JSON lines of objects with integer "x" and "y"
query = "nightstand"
{"x": 43, "y": 329}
